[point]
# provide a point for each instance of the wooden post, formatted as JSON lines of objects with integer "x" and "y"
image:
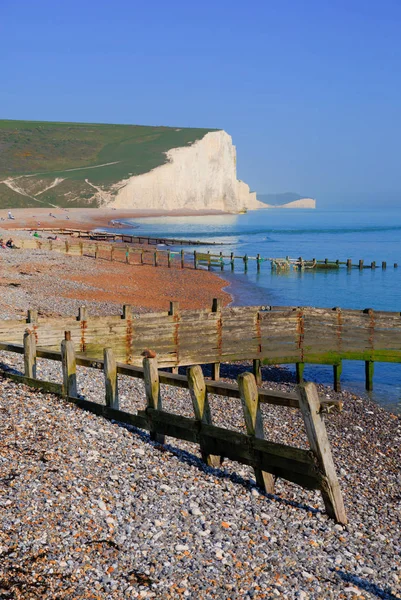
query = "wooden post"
{"x": 142, "y": 256}
{"x": 152, "y": 388}
{"x": 195, "y": 260}
{"x": 209, "y": 266}
{"x": 221, "y": 261}
{"x": 232, "y": 261}
{"x": 182, "y": 259}
{"x": 369, "y": 369}
{"x": 127, "y": 311}
{"x": 81, "y": 248}
{"x": 395, "y": 265}
{"x": 257, "y": 371}
{"x": 258, "y": 263}
{"x": 174, "y": 311}
{"x": 337, "y": 370}
{"x": 309, "y": 404}
{"x": 326, "y": 261}
{"x": 32, "y": 316}
{"x": 254, "y": 423}
{"x": 300, "y": 371}
{"x": 82, "y": 313}
{"x": 373, "y": 264}
{"x": 200, "y": 403}
{"x": 245, "y": 263}
{"x": 29, "y": 354}
{"x": 169, "y": 259}
{"x": 349, "y": 263}
{"x": 384, "y": 264}
{"x": 96, "y": 250}
{"x": 112, "y": 253}
{"x": 110, "y": 377}
{"x": 216, "y": 308}
{"x": 69, "y": 366}
{"x": 67, "y": 246}
{"x": 361, "y": 264}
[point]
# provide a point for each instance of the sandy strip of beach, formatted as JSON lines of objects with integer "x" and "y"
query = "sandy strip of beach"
{"x": 84, "y": 218}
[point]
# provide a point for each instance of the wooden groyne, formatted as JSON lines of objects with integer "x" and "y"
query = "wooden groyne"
{"x": 311, "y": 469}
{"x": 262, "y": 334}
{"x": 127, "y": 253}
{"x": 120, "y": 237}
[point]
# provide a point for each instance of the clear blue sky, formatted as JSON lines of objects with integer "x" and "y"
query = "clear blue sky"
{"x": 310, "y": 91}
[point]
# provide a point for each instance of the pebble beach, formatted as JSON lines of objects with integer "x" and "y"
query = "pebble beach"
{"x": 93, "y": 509}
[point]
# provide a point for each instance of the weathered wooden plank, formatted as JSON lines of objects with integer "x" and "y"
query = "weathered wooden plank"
{"x": 254, "y": 423}
{"x": 152, "y": 389}
{"x": 30, "y": 354}
{"x": 319, "y": 443}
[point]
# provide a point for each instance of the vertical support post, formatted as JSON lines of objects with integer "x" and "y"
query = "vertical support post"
{"x": 369, "y": 369}
{"x": 349, "y": 263}
{"x": 29, "y": 354}
{"x": 110, "y": 377}
{"x": 200, "y": 403}
{"x": 81, "y": 248}
{"x": 112, "y": 253}
{"x": 195, "y": 260}
{"x": 155, "y": 258}
{"x": 221, "y": 261}
{"x": 309, "y": 404}
{"x": 169, "y": 259}
{"x": 32, "y": 316}
{"x": 142, "y": 256}
{"x": 216, "y": 308}
{"x": 384, "y": 264}
{"x": 245, "y": 263}
{"x": 232, "y": 260}
{"x": 254, "y": 423}
{"x": 182, "y": 259}
{"x": 326, "y": 261}
{"x": 257, "y": 371}
{"x": 69, "y": 366}
{"x": 67, "y": 246}
{"x": 337, "y": 370}
{"x": 395, "y": 265}
{"x": 127, "y": 311}
{"x": 300, "y": 371}
{"x": 82, "y": 313}
{"x": 209, "y": 266}
{"x": 373, "y": 264}
{"x": 258, "y": 263}
{"x": 152, "y": 388}
{"x": 361, "y": 264}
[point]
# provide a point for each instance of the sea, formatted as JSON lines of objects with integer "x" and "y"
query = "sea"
{"x": 370, "y": 235}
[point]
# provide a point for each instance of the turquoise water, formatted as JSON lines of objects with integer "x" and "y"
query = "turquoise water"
{"x": 368, "y": 235}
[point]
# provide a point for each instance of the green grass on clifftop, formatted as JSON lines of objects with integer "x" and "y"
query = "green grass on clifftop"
{"x": 37, "y": 152}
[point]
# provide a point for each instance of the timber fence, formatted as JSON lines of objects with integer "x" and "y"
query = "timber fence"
{"x": 263, "y": 334}
{"x": 169, "y": 258}
{"x": 312, "y": 469}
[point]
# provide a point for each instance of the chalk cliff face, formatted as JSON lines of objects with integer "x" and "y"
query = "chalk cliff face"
{"x": 201, "y": 176}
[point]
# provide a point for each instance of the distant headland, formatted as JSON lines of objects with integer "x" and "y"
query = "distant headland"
{"x": 286, "y": 200}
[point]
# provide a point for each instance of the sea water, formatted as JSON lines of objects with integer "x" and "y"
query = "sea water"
{"x": 371, "y": 235}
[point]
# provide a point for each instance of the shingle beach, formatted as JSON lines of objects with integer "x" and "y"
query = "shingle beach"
{"x": 93, "y": 509}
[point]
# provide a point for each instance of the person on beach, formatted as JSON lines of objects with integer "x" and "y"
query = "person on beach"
{"x": 10, "y": 216}
{"x": 10, "y": 244}
{"x": 2, "y": 245}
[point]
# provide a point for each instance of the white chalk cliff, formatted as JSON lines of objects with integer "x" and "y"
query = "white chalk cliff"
{"x": 201, "y": 176}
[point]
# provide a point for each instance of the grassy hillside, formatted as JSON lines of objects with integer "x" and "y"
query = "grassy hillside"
{"x": 34, "y": 153}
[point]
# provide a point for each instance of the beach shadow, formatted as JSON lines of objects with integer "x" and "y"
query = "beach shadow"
{"x": 367, "y": 586}
{"x": 194, "y": 461}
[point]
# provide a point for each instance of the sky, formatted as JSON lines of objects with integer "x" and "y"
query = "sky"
{"x": 309, "y": 91}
